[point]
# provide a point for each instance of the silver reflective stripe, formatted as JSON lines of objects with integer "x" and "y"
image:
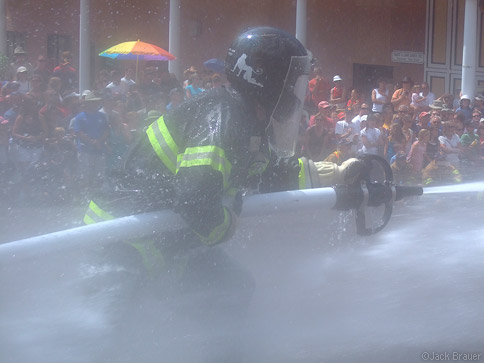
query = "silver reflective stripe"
{"x": 91, "y": 214}
{"x": 216, "y": 158}
{"x": 161, "y": 141}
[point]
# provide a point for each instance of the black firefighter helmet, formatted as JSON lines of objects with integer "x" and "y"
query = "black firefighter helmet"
{"x": 271, "y": 67}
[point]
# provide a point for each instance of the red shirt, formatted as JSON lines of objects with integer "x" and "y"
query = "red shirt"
{"x": 66, "y": 67}
{"x": 352, "y": 103}
{"x": 319, "y": 89}
{"x": 68, "y": 76}
{"x": 337, "y": 93}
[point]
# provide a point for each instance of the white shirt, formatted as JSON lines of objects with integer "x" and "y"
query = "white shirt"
{"x": 415, "y": 102}
{"x": 118, "y": 88}
{"x": 125, "y": 83}
{"x": 24, "y": 86}
{"x": 341, "y": 127}
{"x": 453, "y": 143}
{"x": 372, "y": 136}
{"x": 355, "y": 123}
{"x": 128, "y": 81}
{"x": 427, "y": 102}
{"x": 378, "y": 107}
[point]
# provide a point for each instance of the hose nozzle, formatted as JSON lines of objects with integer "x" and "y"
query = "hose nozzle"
{"x": 369, "y": 192}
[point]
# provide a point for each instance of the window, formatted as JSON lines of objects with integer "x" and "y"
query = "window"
{"x": 56, "y": 44}
{"x": 14, "y": 39}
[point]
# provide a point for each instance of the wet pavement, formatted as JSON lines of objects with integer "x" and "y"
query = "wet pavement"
{"x": 315, "y": 295}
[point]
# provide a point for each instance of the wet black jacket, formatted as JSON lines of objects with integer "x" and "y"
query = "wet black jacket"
{"x": 194, "y": 156}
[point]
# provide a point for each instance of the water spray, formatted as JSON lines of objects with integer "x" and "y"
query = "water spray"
{"x": 476, "y": 187}
{"x": 374, "y": 188}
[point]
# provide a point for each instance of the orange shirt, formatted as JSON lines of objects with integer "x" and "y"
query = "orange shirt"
{"x": 319, "y": 89}
{"x": 406, "y": 100}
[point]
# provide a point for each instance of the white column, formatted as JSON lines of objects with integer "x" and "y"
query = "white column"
{"x": 3, "y": 27}
{"x": 84, "y": 47}
{"x": 174, "y": 38}
{"x": 301, "y": 16}
{"x": 469, "y": 52}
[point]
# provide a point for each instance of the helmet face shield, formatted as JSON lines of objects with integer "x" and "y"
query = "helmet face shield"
{"x": 284, "y": 123}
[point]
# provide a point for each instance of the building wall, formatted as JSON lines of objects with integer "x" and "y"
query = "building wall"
{"x": 37, "y": 19}
{"x": 445, "y": 46}
{"x": 220, "y": 21}
{"x": 340, "y": 32}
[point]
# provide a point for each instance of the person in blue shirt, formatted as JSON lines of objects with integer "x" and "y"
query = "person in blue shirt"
{"x": 13, "y": 101}
{"x": 465, "y": 108}
{"x": 193, "y": 87}
{"x": 91, "y": 129}
{"x": 176, "y": 98}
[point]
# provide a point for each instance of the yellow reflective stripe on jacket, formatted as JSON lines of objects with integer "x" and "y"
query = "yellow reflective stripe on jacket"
{"x": 163, "y": 144}
{"x": 457, "y": 176}
{"x": 258, "y": 165}
{"x": 218, "y": 232}
{"x": 209, "y": 155}
{"x": 302, "y": 175}
{"x": 152, "y": 258}
{"x": 95, "y": 214}
{"x": 87, "y": 219}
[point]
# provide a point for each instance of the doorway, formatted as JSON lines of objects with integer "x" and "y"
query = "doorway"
{"x": 366, "y": 75}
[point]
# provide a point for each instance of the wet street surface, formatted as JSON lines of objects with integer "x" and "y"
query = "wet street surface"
{"x": 310, "y": 291}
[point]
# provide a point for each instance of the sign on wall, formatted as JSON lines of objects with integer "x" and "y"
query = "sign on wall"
{"x": 402, "y": 56}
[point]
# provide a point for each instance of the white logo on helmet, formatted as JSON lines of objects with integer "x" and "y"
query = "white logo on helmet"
{"x": 241, "y": 66}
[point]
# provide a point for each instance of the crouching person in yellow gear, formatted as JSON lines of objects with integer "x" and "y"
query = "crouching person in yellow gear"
{"x": 439, "y": 172}
{"x": 198, "y": 158}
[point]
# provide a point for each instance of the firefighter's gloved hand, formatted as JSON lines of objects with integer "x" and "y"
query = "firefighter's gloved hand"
{"x": 349, "y": 172}
{"x": 280, "y": 175}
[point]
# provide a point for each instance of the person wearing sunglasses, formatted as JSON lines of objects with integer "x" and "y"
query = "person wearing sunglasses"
{"x": 476, "y": 117}
{"x": 479, "y": 104}
{"x": 435, "y": 131}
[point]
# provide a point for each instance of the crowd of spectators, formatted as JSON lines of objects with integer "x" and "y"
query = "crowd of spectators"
{"x": 57, "y": 144}
{"x": 427, "y": 140}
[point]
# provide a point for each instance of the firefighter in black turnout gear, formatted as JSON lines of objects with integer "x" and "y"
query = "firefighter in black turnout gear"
{"x": 197, "y": 158}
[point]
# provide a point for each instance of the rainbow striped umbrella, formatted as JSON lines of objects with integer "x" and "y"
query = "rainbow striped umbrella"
{"x": 137, "y": 50}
